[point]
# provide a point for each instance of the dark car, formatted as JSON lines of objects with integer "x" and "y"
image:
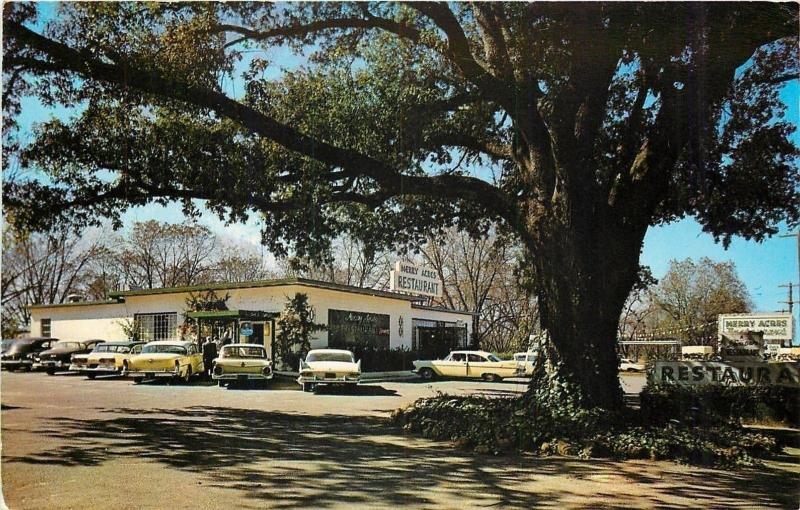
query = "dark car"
{"x": 57, "y": 358}
{"x": 20, "y": 353}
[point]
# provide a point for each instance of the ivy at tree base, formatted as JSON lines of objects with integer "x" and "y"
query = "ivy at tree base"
{"x": 498, "y": 425}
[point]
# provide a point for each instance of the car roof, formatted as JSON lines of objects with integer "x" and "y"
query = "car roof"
{"x": 120, "y": 342}
{"x": 32, "y": 339}
{"x": 472, "y": 352}
{"x": 332, "y": 351}
{"x": 182, "y": 343}
{"x": 242, "y": 345}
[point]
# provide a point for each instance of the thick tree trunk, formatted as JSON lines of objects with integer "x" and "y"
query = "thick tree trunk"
{"x": 584, "y": 270}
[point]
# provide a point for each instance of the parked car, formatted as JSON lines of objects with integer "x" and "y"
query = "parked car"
{"x": 242, "y": 363}
{"x": 525, "y": 360}
{"x": 329, "y": 366}
{"x": 20, "y": 353}
{"x": 173, "y": 359}
{"x": 57, "y": 358}
{"x": 627, "y": 365}
{"x": 470, "y": 364}
{"x": 106, "y": 358}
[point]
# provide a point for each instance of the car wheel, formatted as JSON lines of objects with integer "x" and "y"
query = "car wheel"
{"x": 50, "y": 371}
{"x": 91, "y": 376}
{"x": 28, "y": 368}
{"x": 138, "y": 380}
{"x": 426, "y": 373}
{"x": 491, "y": 378}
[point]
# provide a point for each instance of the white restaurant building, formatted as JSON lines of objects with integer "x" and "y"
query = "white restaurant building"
{"x": 351, "y": 315}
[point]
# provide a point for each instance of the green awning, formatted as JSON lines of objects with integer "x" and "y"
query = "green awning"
{"x": 231, "y": 315}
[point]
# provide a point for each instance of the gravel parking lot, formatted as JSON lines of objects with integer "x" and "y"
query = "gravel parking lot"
{"x": 68, "y": 442}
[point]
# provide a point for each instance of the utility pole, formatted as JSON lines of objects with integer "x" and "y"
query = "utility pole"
{"x": 789, "y": 302}
{"x": 797, "y": 235}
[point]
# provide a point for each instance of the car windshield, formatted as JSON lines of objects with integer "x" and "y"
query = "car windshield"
{"x": 329, "y": 356}
{"x": 169, "y": 349}
{"x": 232, "y": 351}
{"x": 68, "y": 345}
{"x": 492, "y": 357}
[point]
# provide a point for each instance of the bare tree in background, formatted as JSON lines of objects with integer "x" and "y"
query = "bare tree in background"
{"x": 687, "y": 300}
{"x": 236, "y": 264}
{"x": 167, "y": 255}
{"x": 479, "y": 276}
{"x": 42, "y": 269}
{"x": 351, "y": 262}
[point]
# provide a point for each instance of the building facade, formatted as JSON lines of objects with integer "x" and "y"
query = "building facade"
{"x": 351, "y": 315}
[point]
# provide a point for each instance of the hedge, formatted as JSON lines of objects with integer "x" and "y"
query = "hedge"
{"x": 722, "y": 404}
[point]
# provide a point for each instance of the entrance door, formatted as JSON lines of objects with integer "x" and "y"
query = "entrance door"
{"x": 258, "y": 334}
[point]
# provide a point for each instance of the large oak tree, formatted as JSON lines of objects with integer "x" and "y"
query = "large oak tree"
{"x": 595, "y": 120}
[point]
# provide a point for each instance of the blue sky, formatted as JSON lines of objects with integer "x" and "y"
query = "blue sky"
{"x": 762, "y": 266}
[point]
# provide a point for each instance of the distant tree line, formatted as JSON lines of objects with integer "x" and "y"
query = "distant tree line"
{"x": 479, "y": 275}
{"x": 685, "y": 303}
{"x": 49, "y": 268}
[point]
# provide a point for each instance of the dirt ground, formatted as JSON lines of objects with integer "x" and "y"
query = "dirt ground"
{"x": 68, "y": 442}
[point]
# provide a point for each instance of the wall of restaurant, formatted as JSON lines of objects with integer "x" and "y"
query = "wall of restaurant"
{"x": 103, "y": 320}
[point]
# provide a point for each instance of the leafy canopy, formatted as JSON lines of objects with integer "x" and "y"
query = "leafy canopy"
{"x": 633, "y": 113}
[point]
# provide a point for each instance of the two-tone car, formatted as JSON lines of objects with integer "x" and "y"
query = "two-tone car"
{"x": 170, "y": 359}
{"x": 329, "y": 367}
{"x": 107, "y": 358}
{"x": 57, "y": 358}
{"x": 469, "y": 364}
{"x": 242, "y": 363}
{"x": 20, "y": 353}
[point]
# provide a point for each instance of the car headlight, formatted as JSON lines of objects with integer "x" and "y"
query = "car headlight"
{"x": 266, "y": 370}
{"x": 218, "y": 370}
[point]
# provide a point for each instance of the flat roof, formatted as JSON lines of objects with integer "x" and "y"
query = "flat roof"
{"x": 78, "y": 303}
{"x": 283, "y": 282}
{"x": 119, "y": 297}
{"x": 441, "y": 309}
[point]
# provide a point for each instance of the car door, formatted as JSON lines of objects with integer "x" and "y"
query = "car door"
{"x": 454, "y": 365}
{"x": 477, "y": 365}
{"x": 197, "y": 359}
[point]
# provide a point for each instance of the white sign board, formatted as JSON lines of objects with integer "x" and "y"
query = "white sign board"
{"x": 700, "y": 373}
{"x": 413, "y": 279}
{"x": 775, "y": 326}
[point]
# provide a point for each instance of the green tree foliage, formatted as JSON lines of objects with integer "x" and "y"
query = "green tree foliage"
{"x": 595, "y": 122}
{"x": 295, "y": 328}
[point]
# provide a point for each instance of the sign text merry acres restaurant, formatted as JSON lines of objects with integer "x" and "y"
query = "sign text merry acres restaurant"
{"x": 407, "y": 277}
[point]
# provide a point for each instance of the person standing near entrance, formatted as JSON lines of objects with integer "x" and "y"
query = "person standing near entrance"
{"x": 209, "y": 354}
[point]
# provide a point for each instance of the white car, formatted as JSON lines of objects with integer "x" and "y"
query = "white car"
{"x": 627, "y": 365}
{"x": 525, "y": 360}
{"x": 473, "y": 364}
{"x": 329, "y": 366}
{"x": 242, "y": 363}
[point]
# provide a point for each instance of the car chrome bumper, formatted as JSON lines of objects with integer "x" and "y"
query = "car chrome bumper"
{"x": 96, "y": 370}
{"x": 150, "y": 375}
{"x": 242, "y": 377}
{"x": 325, "y": 380}
{"x": 51, "y": 364}
{"x": 16, "y": 363}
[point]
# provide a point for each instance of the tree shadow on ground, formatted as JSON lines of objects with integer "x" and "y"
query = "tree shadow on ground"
{"x": 300, "y": 461}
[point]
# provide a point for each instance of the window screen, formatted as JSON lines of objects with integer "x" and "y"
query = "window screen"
{"x": 45, "y": 327}
{"x": 157, "y": 326}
